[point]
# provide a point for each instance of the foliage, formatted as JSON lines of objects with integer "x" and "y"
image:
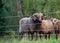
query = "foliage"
{"x": 48, "y": 7}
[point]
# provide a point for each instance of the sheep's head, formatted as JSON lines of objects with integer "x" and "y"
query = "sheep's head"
{"x": 40, "y": 16}
{"x": 37, "y": 17}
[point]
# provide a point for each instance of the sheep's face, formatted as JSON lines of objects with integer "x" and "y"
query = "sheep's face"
{"x": 40, "y": 16}
{"x": 54, "y": 20}
{"x": 37, "y": 17}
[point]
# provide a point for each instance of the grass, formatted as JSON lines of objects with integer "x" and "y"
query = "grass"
{"x": 25, "y": 40}
{"x": 7, "y": 39}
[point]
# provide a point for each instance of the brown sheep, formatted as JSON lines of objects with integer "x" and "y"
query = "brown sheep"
{"x": 56, "y": 23}
{"x": 46, "y": 27}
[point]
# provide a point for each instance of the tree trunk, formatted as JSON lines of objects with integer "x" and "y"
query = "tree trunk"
{"x": 19, "y": 6}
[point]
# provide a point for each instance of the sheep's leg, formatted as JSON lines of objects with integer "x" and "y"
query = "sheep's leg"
{"x": 56, "y": 32}
{"x": 40, "y": 35}
{"x": 20, "y": 36}
{"x": 36, "y": 35}
{"x": 45, "y": 36}
{"x": 32, "y": 36}
{"x": 29, "y": 35}
{"x": 56, "y": 36}
{"x": 49, "y": 34}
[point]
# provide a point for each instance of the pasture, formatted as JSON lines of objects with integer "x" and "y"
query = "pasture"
{"x": 39, "y": 15}
{"x": 25, "y": 40}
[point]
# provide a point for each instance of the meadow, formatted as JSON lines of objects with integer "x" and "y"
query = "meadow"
{"x": 25, "y": 40}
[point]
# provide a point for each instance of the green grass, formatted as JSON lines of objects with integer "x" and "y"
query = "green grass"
{"x": 25, "y": 40}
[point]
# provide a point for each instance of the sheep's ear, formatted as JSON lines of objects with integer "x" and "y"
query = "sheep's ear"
{"x": 33, "y": 18}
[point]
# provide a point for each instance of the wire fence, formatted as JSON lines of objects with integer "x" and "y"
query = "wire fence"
{"x": 12, "y": 36}
{"x": 18, "y": 25}
{"x": 27, "y": 16}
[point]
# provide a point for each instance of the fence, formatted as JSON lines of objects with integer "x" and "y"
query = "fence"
{"x": 14, "y": 37}
{"x": 18, "y": 9}
{"x": 16, "y": 25}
